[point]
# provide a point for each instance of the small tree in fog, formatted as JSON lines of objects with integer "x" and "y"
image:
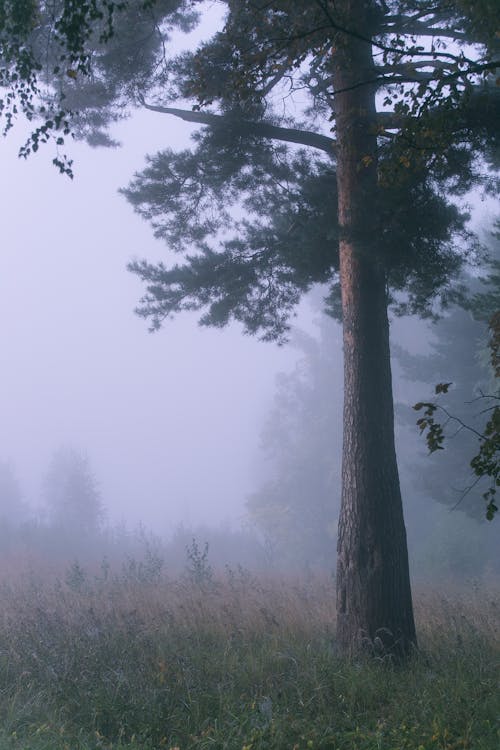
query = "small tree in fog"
{"x": 72, "y": 498}
{"x": 12, "y": 507}
{"x": 297, "y": 504}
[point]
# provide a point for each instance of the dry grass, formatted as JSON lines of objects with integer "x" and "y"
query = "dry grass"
{"x": 142, "y": 661}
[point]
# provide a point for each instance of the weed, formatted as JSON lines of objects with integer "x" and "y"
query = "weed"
{"x": 198, "y": 569}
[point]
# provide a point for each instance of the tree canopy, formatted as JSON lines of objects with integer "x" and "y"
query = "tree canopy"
{"x": 46, "y": 45}
{"x": 259, "y": 84}
{"x": 243, "y": 204}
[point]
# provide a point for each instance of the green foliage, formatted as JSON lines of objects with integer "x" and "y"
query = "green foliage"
{"x": 49, "y": 49}
{"x": 435, "y": 433}
{"x": 75, "y": 577}
{"x": 495, "y": 342}
{"x": 249, "y": 664}
{"x": 198, "y": 569}
{"x": 255, "y": 269}
{"x": 98, "y": 58}
{"x": 485, "y": 462}
{"x": 67, "y": 26}
{"x": 253, "y": 216}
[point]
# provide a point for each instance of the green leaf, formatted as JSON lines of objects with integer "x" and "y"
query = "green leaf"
{"x": 442, "y": 387}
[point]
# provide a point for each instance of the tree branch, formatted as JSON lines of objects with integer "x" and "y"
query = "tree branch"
{"x": 417, "y": 28}
{"x": 414, "y": 66}
{"x": 410, "y": 52}
{"x": 419, "y": 77}
{"x": 248, "y": 128}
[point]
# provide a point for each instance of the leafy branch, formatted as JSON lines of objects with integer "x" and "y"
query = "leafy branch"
{"x": 486, "y": 462}
{"x": 71, "y": 26}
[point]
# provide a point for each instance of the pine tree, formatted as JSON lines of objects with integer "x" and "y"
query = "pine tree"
{"x": 271, "y": 201}
{"x": 13, "y": 509}
{"x": 43, "y": 45}
{"x": 378, "y": 204}
{"x": 296, "y": 504}
{"x": 71, "y": 495}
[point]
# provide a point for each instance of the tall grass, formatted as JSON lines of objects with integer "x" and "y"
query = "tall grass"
{"x": 139, "y": 660}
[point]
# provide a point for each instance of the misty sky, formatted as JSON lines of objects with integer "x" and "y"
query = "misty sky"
{"x": 170, "y": 421}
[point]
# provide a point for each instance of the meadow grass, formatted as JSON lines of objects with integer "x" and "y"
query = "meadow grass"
{"x": 140, "y": 661}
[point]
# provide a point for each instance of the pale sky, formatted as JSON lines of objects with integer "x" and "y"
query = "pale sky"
{"x": 170, "y": 421}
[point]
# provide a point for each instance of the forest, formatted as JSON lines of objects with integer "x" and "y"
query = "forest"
{"x": 274, "y": 523}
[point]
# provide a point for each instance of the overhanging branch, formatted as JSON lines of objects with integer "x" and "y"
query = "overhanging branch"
{"x": 248, "y": 128}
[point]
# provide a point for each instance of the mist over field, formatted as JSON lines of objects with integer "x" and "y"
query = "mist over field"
{"x": 249, "y": 362}
{"x": 172, "y": 426}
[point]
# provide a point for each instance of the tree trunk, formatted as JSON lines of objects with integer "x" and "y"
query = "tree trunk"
{"x": 374, "y": 605}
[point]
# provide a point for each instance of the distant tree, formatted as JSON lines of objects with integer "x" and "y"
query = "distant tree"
{"x": 465, "y": 416}
{"x": 437, "y": 420}
{"x": 297, "y": 503}
{"x": 13, "y": 510}
{"x": 71, "y": 495}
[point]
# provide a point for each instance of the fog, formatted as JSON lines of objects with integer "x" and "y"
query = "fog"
{"x": 169, "y": 421}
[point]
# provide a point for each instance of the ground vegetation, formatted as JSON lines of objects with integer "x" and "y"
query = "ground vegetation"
{"x": 103, "y": 660}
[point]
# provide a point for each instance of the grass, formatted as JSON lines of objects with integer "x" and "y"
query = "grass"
{"x": 142, "y": 662}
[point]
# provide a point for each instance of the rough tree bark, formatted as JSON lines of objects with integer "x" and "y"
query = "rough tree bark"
{"x": 374, "y": 604}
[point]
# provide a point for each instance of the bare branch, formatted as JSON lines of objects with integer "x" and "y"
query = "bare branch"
{"x": 414, "y": 66}
{"x": 416, "y": 28}
{"x": 460, "y": 422}
{"x": 465, "y": 493}
{"x": 248, "y": 128}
